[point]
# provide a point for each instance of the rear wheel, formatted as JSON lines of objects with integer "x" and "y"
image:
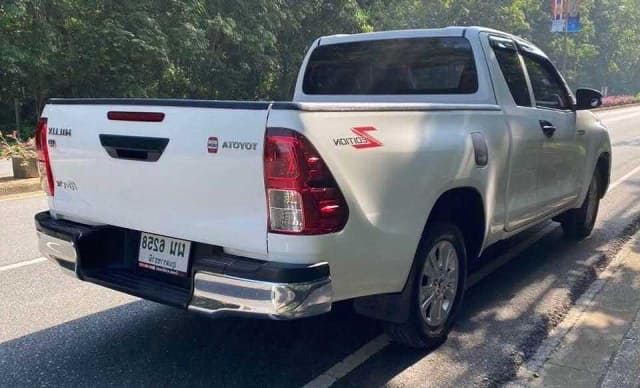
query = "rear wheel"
{"x": 437, "y": 282}
{"x": 578, "y": 223}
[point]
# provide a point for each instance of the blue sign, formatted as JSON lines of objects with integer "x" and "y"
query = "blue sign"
{"x": 573, "y": 23}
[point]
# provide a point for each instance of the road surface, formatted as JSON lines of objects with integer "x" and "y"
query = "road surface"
{"x": 57, "y": 331}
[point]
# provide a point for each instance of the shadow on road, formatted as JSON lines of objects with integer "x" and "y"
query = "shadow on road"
{"x": 145, "y": 344}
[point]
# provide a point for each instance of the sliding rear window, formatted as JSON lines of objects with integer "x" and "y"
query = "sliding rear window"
{"x": 392, "y": 67}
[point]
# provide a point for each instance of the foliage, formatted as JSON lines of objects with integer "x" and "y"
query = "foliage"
{"x": 251, "y": 49}
{"x": 11, "y": 146}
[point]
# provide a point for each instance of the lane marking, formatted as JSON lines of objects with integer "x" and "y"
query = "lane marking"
{"x": 618, "y": 118}
{"x": 23, "y": 264}
{"x": 623, "y": 178}
{"x": 15, "y": 197}
{"x": 351, "y": 362}
{"x": 615, "y": 112}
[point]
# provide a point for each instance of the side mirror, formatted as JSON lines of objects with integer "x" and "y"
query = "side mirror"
{"x": 588, "y": 99}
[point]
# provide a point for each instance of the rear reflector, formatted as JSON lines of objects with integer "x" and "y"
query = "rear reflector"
{"x": 136, "y": 116}
{"x": 302, "y": 194}
{"x": 44, "y": 162}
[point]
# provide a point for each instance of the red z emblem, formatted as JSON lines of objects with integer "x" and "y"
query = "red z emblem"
{"x": 371, "y": 141}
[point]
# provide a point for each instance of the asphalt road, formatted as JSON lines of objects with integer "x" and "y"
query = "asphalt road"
{"x": 57, "y": 331}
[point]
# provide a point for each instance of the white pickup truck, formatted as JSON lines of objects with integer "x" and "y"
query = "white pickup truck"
{"x": 403, "y": 155}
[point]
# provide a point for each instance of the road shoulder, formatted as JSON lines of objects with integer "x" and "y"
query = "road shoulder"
{"x": 597, "y": 343}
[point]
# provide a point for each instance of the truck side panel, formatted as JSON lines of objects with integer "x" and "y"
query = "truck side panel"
{"x": 392, "y": 166}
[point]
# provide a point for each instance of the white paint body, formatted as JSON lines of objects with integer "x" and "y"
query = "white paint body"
{"x": 220, "y": 198}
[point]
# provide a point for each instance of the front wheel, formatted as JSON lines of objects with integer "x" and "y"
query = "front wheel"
{"x": 578, "y": 223}
{"x": 438, "y": 282}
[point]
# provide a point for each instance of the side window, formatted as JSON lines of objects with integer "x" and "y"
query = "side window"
{"x": 513, "y": 72}
{"x": 548, "y": 90}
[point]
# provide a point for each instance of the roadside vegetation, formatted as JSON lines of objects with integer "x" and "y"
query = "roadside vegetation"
{"x": 251, "y": 49}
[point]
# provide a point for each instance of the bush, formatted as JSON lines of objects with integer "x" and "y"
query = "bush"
{"x": 11, "y": 146}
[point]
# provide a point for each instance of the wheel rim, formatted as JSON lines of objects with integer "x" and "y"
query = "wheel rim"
{"x": 439, "y": 283}
{"x": 592, "y": 201}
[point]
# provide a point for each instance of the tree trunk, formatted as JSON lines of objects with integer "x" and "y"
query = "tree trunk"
{"x": 37, "y": 106}
{"x": 16, "y": 105}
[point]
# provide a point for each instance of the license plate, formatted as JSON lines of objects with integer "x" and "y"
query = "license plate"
{"x": 164, "y": 254}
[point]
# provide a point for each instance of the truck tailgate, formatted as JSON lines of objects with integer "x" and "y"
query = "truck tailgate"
{"x": 206, "y": 185}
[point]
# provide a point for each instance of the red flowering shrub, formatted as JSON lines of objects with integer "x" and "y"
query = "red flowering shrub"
{"x": 618, "y": 100}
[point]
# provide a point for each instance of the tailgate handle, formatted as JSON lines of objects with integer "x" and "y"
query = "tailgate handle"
{"x": 146, "y": 149}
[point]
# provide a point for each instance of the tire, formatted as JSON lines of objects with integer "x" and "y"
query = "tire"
{"x": 432, "y": 274}
{"x": 578, "y": 223}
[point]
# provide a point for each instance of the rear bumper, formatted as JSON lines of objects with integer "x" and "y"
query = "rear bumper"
{"x": 218, "y": 285}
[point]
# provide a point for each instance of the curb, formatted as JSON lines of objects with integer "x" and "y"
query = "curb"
{"x": 9, "y": 186}
{"x": 531, "y": 369}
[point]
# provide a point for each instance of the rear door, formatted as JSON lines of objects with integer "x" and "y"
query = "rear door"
{"x": 196, "y": 174}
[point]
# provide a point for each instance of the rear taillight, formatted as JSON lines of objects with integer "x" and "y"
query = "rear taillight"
{"x": 44, "y": 163}
{"x": 302, "y": 195}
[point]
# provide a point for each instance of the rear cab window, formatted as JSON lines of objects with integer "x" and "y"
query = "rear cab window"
{"x": 433, "y": 65}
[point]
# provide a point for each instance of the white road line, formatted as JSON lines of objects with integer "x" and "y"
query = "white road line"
{"x": 351, "y": 362}
{"x": 623, "y": 178}
{"x": 15, "y": 197}
{"x": 22, "y": 264}
{"x": 618, "y": 118}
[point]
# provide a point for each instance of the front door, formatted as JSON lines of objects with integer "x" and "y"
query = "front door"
{"x": 560, "y": 157}
{"x": 525, "y": 140}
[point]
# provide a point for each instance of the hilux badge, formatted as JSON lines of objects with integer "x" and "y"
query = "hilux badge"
{"x": 212, "y": 145}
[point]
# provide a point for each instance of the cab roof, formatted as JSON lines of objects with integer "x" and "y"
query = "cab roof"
{"x": 452, "y": 31}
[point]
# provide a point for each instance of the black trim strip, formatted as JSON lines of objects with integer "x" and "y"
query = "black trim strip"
{"x": 148, "y": 149}
{"x": 58, "y": 228}
{"x": 264, "y": 105}
{"x": 215, "y": 262}
{"x": 222, "y": 104}
{"x": 266, "y": 271}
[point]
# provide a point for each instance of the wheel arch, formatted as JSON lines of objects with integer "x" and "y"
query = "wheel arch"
{"x": 464, "y": 207}
{"x": 603, "y": 167}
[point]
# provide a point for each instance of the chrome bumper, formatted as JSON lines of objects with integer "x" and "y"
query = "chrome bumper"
{"x": 220, "y": 295}
{"x": 58, "y": 250}
{"x": 231, "y": 286}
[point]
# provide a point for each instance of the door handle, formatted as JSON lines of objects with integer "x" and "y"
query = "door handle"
{"x": 547, "y": 128}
